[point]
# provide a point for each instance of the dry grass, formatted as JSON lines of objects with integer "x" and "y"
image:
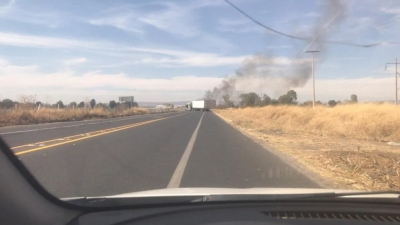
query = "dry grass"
{"x": 45, "y": 115}
{"x": 358, "y": 121}
{"x": 344, "y": 145}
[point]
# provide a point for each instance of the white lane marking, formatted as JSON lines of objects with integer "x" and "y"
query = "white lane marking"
{"x": 77, "y": 125}
{"x": 15, "y": 132}
{"x": 177, "y": 176}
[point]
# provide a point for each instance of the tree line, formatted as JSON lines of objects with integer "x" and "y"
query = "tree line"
{"x": 252, "y": 99}
{"x": 30, "y": 102}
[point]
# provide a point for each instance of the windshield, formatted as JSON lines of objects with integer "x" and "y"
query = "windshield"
{"x": 104, "y": 98}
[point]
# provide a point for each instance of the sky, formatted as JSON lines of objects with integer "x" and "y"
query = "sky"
{"x": 166, "y": 51}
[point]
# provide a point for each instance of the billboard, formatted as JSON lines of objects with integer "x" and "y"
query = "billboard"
{"x": 126, "y": 99}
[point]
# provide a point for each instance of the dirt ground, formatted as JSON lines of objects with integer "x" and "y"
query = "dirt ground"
{"x": 342, "y": 162}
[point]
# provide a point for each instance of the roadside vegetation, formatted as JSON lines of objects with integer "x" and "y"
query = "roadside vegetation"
{"x": 29, "y": 111}
{"x": 252, "y": 99}
{"x": 373, "y": 122}
{"x": 352, "y": 145}
{"x": 46, "y": 115}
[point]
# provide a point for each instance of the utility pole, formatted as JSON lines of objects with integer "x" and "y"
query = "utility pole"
{"x": 313, "y": 77}
{"x": 395, "y": 76}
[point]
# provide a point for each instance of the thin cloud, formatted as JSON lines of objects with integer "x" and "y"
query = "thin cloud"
{"x": 177, "y": 19}
{"x": 200, "y": 60}
{"x": 7, "y": 7}
{"x": 367, "y": 89}
{"x": 51, "y": 20}
{"x": 17, "y": 79}
{"x": 174, "y": 57}
{"x": 349, "y": 58}
{"x": 312, "y": 14}
{"x": 279, "y": 46}
{"x": 74, "y": 61}
{"x": 9, "y": 11}
{"x": 122, "y": 22}
{"x": 205, "y": 60}
{"x": 385, "y": 10}
{"x": 23, "y": 40}
{"x": 238, "y": 26}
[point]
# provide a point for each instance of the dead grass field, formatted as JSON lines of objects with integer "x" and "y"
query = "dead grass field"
{"x": 351, "y": 146}
{"x": 46, "y": 115}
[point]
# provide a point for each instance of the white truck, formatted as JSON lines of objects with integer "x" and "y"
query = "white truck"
{"x": 201, "y": 105}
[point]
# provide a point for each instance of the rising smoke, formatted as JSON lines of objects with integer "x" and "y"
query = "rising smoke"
{"x": 266, "y": 73}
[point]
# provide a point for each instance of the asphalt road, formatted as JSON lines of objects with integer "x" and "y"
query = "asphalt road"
{"x": 121, "y": 155}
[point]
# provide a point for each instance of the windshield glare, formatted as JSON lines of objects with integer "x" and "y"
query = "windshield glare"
{"x": 170, "y": 98}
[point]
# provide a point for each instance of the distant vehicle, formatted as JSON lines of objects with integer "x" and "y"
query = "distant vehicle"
{"x": 201, "y": 105}
{"x": 188, "y": 106}
{"x": 165, "y": 106}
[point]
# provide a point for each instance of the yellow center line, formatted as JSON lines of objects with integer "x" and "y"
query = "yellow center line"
{"x": 77, "y": 135}
{"x": 112, "y": 130}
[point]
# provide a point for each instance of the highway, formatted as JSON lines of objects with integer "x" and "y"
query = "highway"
{"x": 129, "y": 154}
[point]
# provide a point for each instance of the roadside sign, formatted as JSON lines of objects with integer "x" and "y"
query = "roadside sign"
{"x": 126, "y": 99}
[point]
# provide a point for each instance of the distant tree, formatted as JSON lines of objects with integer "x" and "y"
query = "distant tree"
{"x": 249, "y": 99}
{"x": 81, "y": 105}
{"x": 227, "y": 102}
{"x": 60, "y": 104}
{"x": 353, "y": 98}
{"x": 310, "y": 103}
{"x": 7, "y": 103}
{"x": 290, "y": 98}
{"x": 101, "y": 105}
{"x": 72, "y": 104}
{"x": 135, "y": 104}
{"x": 226, "y": 99}
{"x": 92, "y": 103}
{"x": 292, "y": 94}
{"x": 112, "y": 104}
{"x": 274, "y": 102}
{"x": 332, "y": 103}
{"x": 266, "y": 100}
{"x": 27, "y": 101}
{"x": 307, "y": 103}
{"x": 122, "y": 106}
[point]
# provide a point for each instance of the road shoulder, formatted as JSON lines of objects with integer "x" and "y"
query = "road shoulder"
{"x": 291, "y": 161}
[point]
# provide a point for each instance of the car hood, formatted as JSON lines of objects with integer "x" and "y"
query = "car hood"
{"x": 239, "y": 191}
{"x": 234, "y": 191}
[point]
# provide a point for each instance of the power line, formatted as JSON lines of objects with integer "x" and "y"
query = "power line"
{"x": 296, "y": 37}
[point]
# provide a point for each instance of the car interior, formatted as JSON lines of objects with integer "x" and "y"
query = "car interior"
{"x": 24, "y": 201}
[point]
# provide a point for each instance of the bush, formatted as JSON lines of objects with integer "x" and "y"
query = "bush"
{"x": 332, "y": 103}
